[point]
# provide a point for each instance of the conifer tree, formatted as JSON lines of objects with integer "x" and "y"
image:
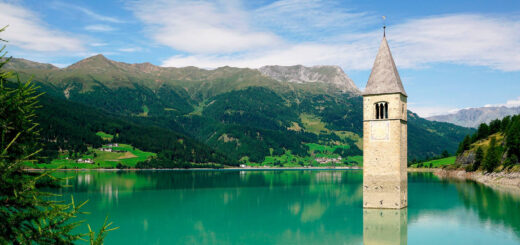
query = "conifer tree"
{"x": 464, "y": 145}
{"x": 494, "y": 126}
{"x": 479, "y": 157}
{"x": 483, "y": 131}
{"x": 27, "y": 214}
{"x": 513, "y": 139}
{"x": 491, "y": 160}
{"x": 505, "y": 123}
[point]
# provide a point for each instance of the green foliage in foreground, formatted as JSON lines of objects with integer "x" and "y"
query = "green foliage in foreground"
{"x": 27, "y": 214}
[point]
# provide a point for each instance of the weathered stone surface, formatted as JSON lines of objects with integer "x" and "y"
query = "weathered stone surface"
{"x": 384, "y": 158}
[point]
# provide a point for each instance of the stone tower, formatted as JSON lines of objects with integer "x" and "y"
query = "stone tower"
{"x": 384, "y": 135}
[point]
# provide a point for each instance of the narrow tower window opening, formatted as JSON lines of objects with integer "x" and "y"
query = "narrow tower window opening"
{"x": 381, "y": 110}
{"x": 386, "y": 110}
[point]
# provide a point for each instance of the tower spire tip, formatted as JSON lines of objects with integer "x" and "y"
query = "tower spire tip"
{"x": 384, "y": 26}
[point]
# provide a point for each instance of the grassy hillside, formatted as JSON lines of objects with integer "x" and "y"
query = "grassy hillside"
{"x": 227, "y": 114}
{"x": 104, "y": 136}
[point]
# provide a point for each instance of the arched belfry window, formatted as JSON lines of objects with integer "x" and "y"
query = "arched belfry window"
{"x": 381, "y": 110}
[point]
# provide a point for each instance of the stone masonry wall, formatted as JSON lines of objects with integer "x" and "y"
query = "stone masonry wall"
{"x": 384, "y": 153}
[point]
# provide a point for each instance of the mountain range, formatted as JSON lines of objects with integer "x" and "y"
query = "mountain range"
{"x": 240, "y": 113}
{"x": 473, "y": 117}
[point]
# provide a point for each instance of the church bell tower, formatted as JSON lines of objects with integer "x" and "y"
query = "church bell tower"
{"x": 385, "y": 182}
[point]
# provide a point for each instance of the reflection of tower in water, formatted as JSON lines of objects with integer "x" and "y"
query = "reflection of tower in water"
{"x": 329, "y": 177}
{"x": 385, "y": 226}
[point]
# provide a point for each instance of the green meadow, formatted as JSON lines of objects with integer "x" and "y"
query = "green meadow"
{"x": 437, "y": 163}
{"x": 129, "y": 157}
{"x": 105, "y": 136}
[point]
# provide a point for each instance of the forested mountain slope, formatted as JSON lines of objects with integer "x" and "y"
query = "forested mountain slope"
{"x": 72, "y": 126}
{"x": 241, "y": 113}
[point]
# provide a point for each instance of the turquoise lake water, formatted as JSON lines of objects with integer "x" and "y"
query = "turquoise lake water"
{"x": 289, "y": 207}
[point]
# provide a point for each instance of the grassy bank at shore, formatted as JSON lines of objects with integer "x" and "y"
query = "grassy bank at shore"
{"x": 437, "y": 163}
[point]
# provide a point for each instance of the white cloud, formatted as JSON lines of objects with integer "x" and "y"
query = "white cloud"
{"x": 86, "y": 11}
{"x": 27, "y": 31}
{"x": 304, "y": 54}
{"x": 287, "y": 32}
{"x": 99, "y": 28}
{"x": 509, "y": 103}
{"x": 61, "y": 65}
{"x": 310, "y": 18}
{"x": 428, "y": 111}
{"x": 201, "y": 27}
{"x": 98, "y": 44}
{"x": 130, "y": 50}
{"x": 212, "y": 34}
{"x": 464, "y": 39}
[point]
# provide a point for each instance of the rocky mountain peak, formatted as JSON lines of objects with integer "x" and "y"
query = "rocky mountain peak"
{"x": 94, "y": 63}
{"x": 19, "y": 63}
{"x": 473, "y": 117}
{"x": 332, "y": 75}
{"x": 100, "y": 63}
{"x": 146, "y": 67}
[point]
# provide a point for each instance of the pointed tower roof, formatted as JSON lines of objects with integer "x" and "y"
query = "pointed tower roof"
{"x": 384, "y": 78}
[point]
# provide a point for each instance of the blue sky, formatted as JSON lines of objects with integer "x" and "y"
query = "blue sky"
{"x": 450, "y": 54}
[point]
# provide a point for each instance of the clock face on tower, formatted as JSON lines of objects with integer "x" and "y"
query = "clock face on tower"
{"x": 379, "y": 130}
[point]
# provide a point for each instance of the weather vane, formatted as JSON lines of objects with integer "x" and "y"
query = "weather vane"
{"x": 384, "y": 26}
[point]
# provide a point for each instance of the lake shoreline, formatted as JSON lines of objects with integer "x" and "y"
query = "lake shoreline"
{"x": 510, "y": 180}
{"x": 422, "y": 170}
{"x": 230, "y": 168}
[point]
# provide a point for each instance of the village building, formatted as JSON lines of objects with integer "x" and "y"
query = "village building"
{"x": 325, "y": 160}
{"x": 87, "y": 160}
